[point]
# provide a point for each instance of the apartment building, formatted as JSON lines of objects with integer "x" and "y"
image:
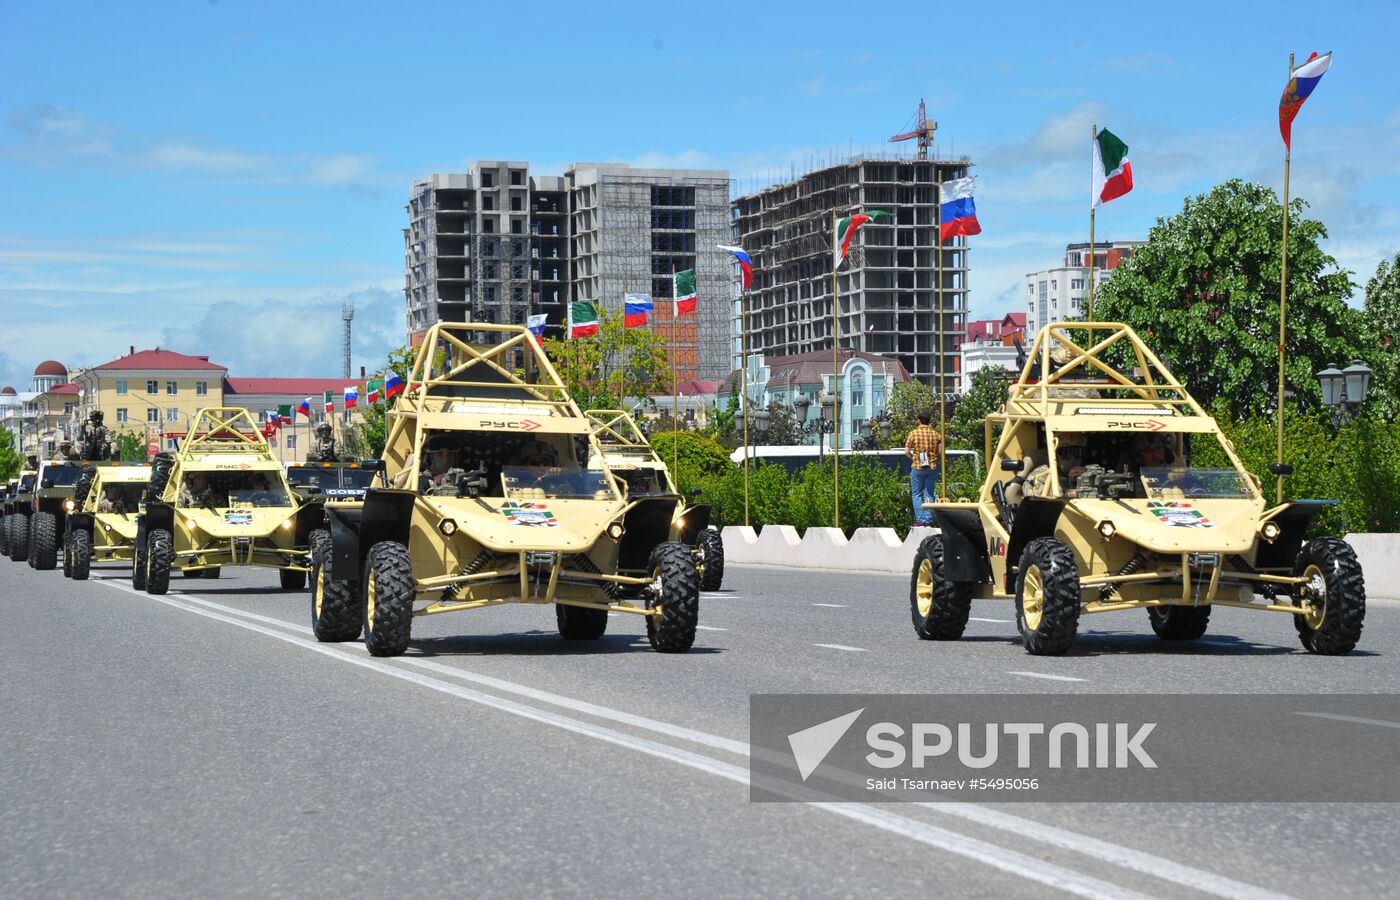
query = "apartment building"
{"x": 1061, "y": 293}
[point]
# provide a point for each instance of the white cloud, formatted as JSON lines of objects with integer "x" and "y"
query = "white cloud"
{"x": 48, "y": 131}
{"x": 209, "y": 160}
{"x": 339, "y": 169}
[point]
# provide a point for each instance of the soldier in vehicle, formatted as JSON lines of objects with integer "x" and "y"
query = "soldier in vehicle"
{"x": 196, "y": 491}
{"x": 66, "y": 454}
{"x": 95, "y": 438}
{"x": 443, "y": 470}
{"x": 323, "y": 450}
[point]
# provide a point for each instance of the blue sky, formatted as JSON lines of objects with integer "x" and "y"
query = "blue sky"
{"x": 217, "y": 177}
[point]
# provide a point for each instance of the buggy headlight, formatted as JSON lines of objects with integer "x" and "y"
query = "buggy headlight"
{"x": 191, "y": 524}
{"x": 286, "y": 524}
{"x": 1270, "y": 531}
{"x": 680, "y": 521}
{"x": 1107, "y": 529}
{"x": 615, "y": 530}
{"x": 69, "y": 505}
{"x": 448, "y": 527}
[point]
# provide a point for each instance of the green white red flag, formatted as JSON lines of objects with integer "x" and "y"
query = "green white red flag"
{"x": 684, "y": 287}
{"x": 583, "y": 319}
{"x": 846, "y": 230}
{"x": 1113, "y": 174}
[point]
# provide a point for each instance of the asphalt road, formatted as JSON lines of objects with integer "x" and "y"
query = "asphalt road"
{"x": 203, "y": 744}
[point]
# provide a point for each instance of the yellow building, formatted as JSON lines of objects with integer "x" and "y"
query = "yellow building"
{"x": 154, "y": 393}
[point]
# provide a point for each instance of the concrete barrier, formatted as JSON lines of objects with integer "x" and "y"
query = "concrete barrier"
{"x": 880, "y": 550}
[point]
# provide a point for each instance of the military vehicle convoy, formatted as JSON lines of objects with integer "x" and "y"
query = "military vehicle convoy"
{"x": 1096, "y": 500}
{"x": 17, "y": 509}
{"x": 498, "y": 492}
{"x": 102, "y": 526}
{"x": 50, "y": 504}
{"x": 631, "y": 456}
{"x": 221, "y": 500}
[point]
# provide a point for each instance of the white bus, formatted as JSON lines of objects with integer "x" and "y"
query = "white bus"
{"x": 795, "y": 458}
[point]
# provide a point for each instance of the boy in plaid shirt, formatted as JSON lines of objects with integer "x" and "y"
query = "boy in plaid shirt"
{"x": 923, "y": 448}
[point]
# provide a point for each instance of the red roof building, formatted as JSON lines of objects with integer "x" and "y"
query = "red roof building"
{"x": 161, "y": 359}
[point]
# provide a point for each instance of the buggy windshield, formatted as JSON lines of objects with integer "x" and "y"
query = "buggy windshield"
{"x": 60, "y": 476}
{"x": 535, "y": 482}
{"x": 124, "y": 497}
{"x": 225, "y": 489}
{"x": 1180, "y": 481}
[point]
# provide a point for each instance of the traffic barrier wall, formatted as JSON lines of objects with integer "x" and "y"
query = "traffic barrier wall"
{"x": 881, "y": 550}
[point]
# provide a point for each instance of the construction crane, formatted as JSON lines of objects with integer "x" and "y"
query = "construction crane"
{"x": 923, "y": 130}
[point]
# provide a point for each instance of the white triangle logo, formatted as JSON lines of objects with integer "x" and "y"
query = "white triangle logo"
{"x": 811, "y": 745}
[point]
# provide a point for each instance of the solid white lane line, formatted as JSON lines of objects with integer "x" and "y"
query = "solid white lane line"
{"x": 1008, "y": 861}
{"x": 998, "y": 621}
{"x": 1028, "y": 829}
{"x": 841, "y": 647}
{"x": 710, "y": 628}
{"x": 1355, "y": 719}
{"x": 1047, "y": 677}
{"x": 831, "y": 605}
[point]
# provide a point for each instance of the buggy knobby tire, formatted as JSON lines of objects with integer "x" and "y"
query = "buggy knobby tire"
{"x": 79, "y": 554}
{"x": 711, "y": 562}
{"x": 160, "y": 554}
{"x": 676, "y": 589}
{"x": 1179, "y": 623}
{"x": 334, "y": 616}
{"x": 66, "y": 552}
{"x": 43, "y": 541}
{"x": 19, "y": 538}
{"x": 4, "y": 535}
{"x": 291, "y": 579}
{"x": 389, "y": 592}
{"x": 577, "y": 623}
{"x": 938, "y": 607}
{"x": 138, "y": 563}
{"x": 1340, "y": 590}
{"x": 1047, "y": 597}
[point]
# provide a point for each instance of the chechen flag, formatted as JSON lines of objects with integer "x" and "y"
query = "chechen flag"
{"x": 1300, "y": 87}
{"x": 352, "y": 396}
{"x": 327, "y": 398}
{"x": 683, "y": 290}
{"x": 745, "y": 264}
{"x": 583, "y": 319}
{"x": 957, "y": 213}
{"x": 393, "y": 386}
{"x": 1113, "y": 174}
{"x": 372, "y": 390}
{"x": 635, "y": 309}
{"x": 304, "y": 407}
{"x": 846, "y": 230}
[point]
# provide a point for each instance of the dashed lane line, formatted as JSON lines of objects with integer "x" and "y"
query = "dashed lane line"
{"x": 831, "y": 605}
{"x": 1046, "y": 676}
{"x": 841, "y": 647}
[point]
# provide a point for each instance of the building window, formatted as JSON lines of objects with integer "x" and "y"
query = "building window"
{"x": 153, "y": 416}
{"x": 488, "y": 226}
{"x": 153, "y": 387}
{"x": 121, "y": 413}
{"x": 201, "y": 388}
{"x": 517, "y": 226}
{"x": 488, "y": 179}
{"x": 172, "y": 388}
{"x": 517, "y": 204}
{"x": 488, "y": 202}
{"x": 172, "y": 415}
{"x": 121, "y": 385}
{"x": 1076, "y": 284}
{"x": 291, "y": 442}
{"x": 172, "y": 444}
{"x": 517, "y": 177}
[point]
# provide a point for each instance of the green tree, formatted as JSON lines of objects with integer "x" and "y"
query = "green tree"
{"x": 907, "y": 400}
{"x": 129, "y": 445}
{"x": 367, "y": 437}
{"x": 592, "y": 367}
{"x": 1382, "y": 311}
{"x": 10, "y": 460}
{"x": 1204, "y": 293}
{"x": 782, "y": 430}
{"x": 986, "y": 395}
{"x": 720, "y": 424}
{"x": 701, "y": 459}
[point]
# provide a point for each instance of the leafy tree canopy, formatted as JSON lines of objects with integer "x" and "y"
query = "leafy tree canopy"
{"x": 1382, "y": 310}
{"x": 593, "y": 367}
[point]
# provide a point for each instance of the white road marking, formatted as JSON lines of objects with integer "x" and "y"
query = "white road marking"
{"x": 1357, "y": 719}
{"x": 990, "y": 854}
{"x": 998, "y": 621}
{"x": 710, "y": 628}
{"x": 1047, "y": 677}
{"x": 831, "y": 605}
{"x": 841, "y": 647}
{"x": 1008, "y": 861}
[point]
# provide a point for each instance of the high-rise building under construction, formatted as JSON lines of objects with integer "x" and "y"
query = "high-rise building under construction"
{"x": 498, "y": 244}
{"x": 887, "y": 288}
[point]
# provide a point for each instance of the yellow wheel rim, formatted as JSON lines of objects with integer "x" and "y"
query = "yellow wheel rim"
{"x": 1033, "y": 597}
{"x": 923, "y": 588}
{"x": 1317, "y": 597}
{"x": 370, "y": 601}
{"x": 319, "y": 588}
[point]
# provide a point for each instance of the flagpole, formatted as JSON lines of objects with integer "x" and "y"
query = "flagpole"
{"x": 835, "y": 386}
{"x": 1093, "y": 136}
{"x": 942, "y": 355}
{"x": 1283, "y": 303}
{"x": 744, "y": 386}
{"x": 622, "y": 379}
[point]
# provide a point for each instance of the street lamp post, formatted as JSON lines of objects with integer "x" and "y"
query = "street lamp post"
{"x": 1344, "y": 390}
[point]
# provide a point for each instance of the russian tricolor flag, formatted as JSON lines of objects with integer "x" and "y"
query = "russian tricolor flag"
{"x": 1299, "y": 88}
{"x": 956, "y": 211}
{"x": 393, "y": 386}
{"x": 304, "y": 407}
{"x": 635, "y": 308}
{"x": 536, "y": 325}
{"x": 745, "y": 263}
{"x": 352, "y": 396}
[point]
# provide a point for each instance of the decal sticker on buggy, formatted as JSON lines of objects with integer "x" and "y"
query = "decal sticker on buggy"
{"x": 535, "y": 515}
{"x": 1178, "y": 514}
{"x": 238, "y": 517}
